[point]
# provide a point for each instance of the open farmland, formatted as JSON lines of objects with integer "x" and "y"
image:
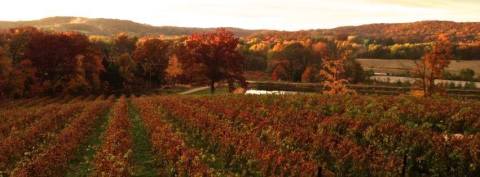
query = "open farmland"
{"x": 228, "y": 135}
{"x": 402, "y": 66}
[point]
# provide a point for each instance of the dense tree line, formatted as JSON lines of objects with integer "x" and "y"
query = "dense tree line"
{"x": 461, "y": 51}
{"x": 299, "y": 60}
{"x": 35, "y": 62}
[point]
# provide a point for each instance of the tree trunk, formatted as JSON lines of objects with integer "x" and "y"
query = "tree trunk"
{"x": 212, "y": 86}
{"x": 431, "y": 85}
{"x": 231, "y": 86}
{"x": 425, "y": 89}
{"x": 404, "y": 167}
{"x": 319, "y": 172}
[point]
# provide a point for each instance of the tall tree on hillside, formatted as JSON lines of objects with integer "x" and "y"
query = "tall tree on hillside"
{"x": 333, "y": 69}
{"x": 174, "y": 69}
{"x": 151, "y": 55}
{"x": 120, "y": 69}
{"x": 18, "y": 39}
{"x": 217, "y": 54}
{"x": 433, "y": 64}
{"x": 126, "y": 69}
{"x": 122, "y": 43}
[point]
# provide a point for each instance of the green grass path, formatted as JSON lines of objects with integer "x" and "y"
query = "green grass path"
{"x": 144, "y": 163}
{"x": 82, "y": 165}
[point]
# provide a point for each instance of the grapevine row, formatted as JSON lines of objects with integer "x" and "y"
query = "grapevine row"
{"x": 14, "y": 146}
{"x": 15, "y": 121}
{"x": 115, "y": 154}
{"x": 176, "y": 158}
{"x": 54, "y": 160}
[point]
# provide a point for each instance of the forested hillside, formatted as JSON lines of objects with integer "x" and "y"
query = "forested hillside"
{"x": 392, "y": 33}
{"x": 108, "y": 27}
{"x": 416, "y": 32}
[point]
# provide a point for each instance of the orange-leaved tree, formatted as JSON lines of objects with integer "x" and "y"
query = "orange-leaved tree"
{"x": 217, "y": 53}
{"x": 433, "y": 64}
{"x": 174, "y": 69}
{"x": 333, "y": 68}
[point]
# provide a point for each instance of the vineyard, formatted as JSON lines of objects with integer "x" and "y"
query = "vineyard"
{"x": 238, "y": 135}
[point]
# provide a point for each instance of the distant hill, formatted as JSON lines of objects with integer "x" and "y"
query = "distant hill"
{"x": 102, "y": 26}
{"x": 422, "y": 31}
{"x": 415, "y": 32}
{"x": 398, "y": 32}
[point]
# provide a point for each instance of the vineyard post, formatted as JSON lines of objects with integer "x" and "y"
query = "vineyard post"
{"x": 319, "y": 172}
{"x": 404, "y": 167}
{"x": 189, "y": 166}
{"x": 212, "y": 86}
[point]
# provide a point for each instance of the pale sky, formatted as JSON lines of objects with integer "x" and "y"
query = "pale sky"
{"x": 250, "y": 14}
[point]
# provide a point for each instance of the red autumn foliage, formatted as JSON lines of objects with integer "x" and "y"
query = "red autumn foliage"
{"x": 217, "y": 55}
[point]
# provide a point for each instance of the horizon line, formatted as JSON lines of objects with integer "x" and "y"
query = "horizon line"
{"x": 250, "y": 29}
